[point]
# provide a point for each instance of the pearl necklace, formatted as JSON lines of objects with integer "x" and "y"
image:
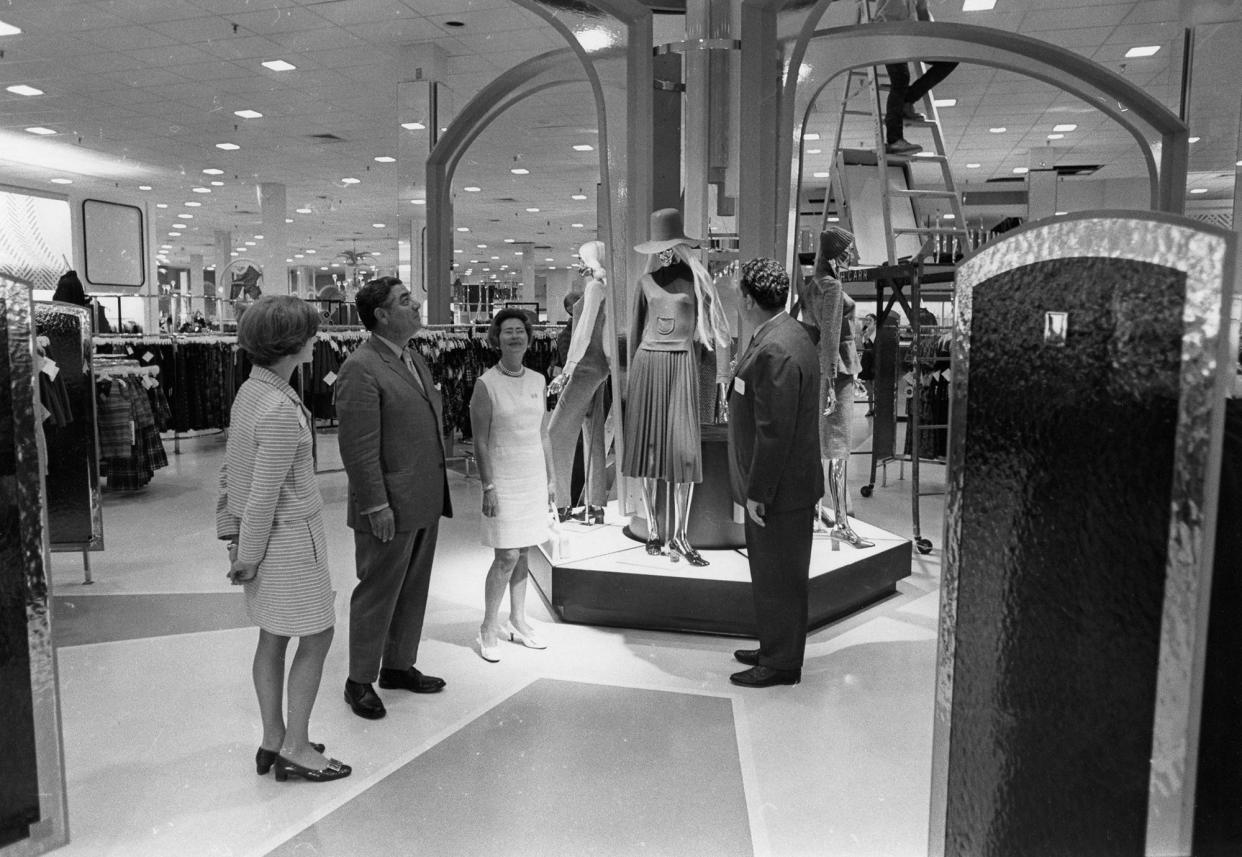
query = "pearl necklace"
{"x": 518, "y": 374}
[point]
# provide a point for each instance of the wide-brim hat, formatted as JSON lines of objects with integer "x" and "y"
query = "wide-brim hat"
{"x": 834, "y": 241}
{"x": 666, "y": 231}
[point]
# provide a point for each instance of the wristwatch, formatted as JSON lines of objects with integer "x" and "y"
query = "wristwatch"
{"x": 231, "y": 545}
{"x": 490, "y": 486}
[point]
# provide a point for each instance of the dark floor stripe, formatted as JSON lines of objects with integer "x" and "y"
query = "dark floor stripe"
{"x": 81, "y": 619}
{"x": 558, "y": 768}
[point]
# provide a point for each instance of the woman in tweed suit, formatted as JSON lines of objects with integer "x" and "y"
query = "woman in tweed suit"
{"x": 270, "y": 512}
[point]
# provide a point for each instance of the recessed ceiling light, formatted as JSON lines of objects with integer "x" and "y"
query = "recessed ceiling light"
{"x": 303, "y": 210}
{"x": 1199, "y": 190}
{"x": 385, "y": 159}
{"x": 350, "y": 180}
{"x": 258, "y": 238}
{"x": 978, "y": 5}
{"x": 217, "y": 184}
{"x": 820, "y": 175}
{"x": 228, "y": 147}
{"x": 1021, "y": 171}
{"x": 40, "y": 130}
{"x": 944, "y": 102}
{"x": 418, "y": 202}
{"x": 472, "y": 189}
{"x": 249, "y": 243}
{"x": 288, "y": 220}
{"x": 533, "y": 210}
{"x": 186, "y": 216}
{"x": 234, "y": 253}
{"x": 299, "y": 256}
{"x": 1056, "y": 136}
{"x": 248, "y": 114}
{"x": 814, "y": 151}
{"x": 497, "y": 258}
{"x": 8, "y": 29}
{"x": 576, "y": 225}
{"x": 584, "y": 147}
{"x": 811, "y": 136}
{"x": 520, "y": 171}
{"x": 378, "y": 225}
{"x": 463, "y": 228}
{"x": 279, "y": 65}
{"x": 313, "y": 252}
{"x": 1065, "y": 128}
{"x": 510, "y": 240}
{"x": 323, "y": 267}
{"x": 200, "y": 189}
{"x": 413, "y": 126}
{"x": 193, "y": 204}
{"x": 161, "y": 205}
{"x": 62, "y": 181}
{"x": 948, "y": 216}
{"x": 165, "y": 246}
{"x": 1237, "y": 163}
{"x": 144, "y": 187}
{"x": 23, "y": 89}
{"x": 212, "y": 171}
{"x": 1194, "y": 139}
{"x": 998, "y": 130}
{"x": 973, "y": 166}
{"x": 1143, "y": 51}
{"x": 457, "y": 251}
{"x": 578, "y": 196}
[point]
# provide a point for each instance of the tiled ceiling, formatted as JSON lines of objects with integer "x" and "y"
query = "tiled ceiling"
{"x": 153, "y": 86}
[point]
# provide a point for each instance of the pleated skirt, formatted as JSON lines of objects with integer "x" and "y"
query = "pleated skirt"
{"x": 292, "y": 594}
{"x": 662, "y": 417}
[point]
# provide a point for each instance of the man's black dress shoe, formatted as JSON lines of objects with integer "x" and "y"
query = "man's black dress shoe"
{"x": 411, "y": 680}
{"x": 364, "y": 700}
{"x": 750, "y": 657}
{"x": 765, "y": 677}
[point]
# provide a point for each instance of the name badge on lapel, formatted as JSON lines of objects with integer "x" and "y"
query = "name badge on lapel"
{"x": 739, "y": 385}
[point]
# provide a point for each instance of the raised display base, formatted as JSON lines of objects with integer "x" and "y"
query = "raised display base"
{"x": 600, "y": 577}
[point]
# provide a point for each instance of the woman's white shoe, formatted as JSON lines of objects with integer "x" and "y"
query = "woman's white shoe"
{"x": 491, "y": 653}
{"x": 530, "y": 641}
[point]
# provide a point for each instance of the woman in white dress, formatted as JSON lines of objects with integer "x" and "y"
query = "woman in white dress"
{"x": 510, "y": 426}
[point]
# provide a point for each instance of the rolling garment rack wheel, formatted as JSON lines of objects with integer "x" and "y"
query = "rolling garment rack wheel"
{"x": 866, "y": 490}
{"x": 923, "y": 545}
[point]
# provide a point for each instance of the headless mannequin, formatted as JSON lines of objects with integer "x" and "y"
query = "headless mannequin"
{"x": 826, "y": 306}
{"x": 581, "y": 406}
{"x": 675, "y": 274}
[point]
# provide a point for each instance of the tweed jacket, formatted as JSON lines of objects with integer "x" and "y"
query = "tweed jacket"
{"x": 268, "y": 475}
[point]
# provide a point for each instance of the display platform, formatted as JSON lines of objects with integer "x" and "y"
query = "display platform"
{"x": 599, "y": 576}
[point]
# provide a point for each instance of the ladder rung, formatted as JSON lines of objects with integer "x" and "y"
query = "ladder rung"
{"x": 859, "y": 113}
{"x": 914, "y": 193}
{"x": 925, "y": 156}
{"x": 929, "y": 230}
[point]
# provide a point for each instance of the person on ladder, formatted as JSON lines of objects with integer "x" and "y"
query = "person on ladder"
{"x": 902, "y": 94}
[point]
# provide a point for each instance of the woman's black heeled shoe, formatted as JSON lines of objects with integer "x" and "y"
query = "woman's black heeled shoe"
{"x": 264, "y": 759}
{"x": 334, "y": 770}
{"x": 595, "y": 514}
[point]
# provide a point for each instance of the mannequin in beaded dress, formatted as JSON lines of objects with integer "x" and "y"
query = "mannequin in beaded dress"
{"x": 824, "y": 305}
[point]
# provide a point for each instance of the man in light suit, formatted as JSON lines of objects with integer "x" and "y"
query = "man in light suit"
{"x": 393, "y": 450}
{"x": 774, "y": 470}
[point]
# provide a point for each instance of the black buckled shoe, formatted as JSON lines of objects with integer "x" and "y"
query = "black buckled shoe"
{"x": 264, "y": 759}
{"x": 363, "y": 699}
{"x": 411, "y": 680}
{"x": 765, "y": 677}
{"x": 750, "y": 657}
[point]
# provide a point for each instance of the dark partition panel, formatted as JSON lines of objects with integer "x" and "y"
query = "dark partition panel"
{"x": 1084, "y": 464}
{"x": 32, "y": 795}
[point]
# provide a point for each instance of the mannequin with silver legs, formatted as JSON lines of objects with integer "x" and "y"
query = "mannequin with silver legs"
{"x": 676, "y": 313}
{"x": 824, "y": 307}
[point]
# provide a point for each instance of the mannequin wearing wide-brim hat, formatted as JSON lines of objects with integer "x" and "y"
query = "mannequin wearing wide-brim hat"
{"x": 676, "y": 313}
{"x": 824, "y": 305}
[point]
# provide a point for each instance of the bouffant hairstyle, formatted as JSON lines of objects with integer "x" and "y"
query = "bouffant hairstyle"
{"x": 765, "y": 280}
{"x": 493, "y": 330}
{"x": 372, "y": 296}
{"x": 276, "y": 326}
{"x": 69, "y": 289}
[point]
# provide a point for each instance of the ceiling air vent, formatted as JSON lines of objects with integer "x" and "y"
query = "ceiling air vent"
{"x": 327, "y": 138}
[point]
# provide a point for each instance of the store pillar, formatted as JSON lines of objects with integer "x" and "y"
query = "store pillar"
{"x": 420, "y": 116}
{"x": 1091, "y": 358}
{"x": 275, "y": 249}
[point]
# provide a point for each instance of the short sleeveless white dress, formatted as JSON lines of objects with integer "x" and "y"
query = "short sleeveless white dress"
{"x": 518, "y": 467}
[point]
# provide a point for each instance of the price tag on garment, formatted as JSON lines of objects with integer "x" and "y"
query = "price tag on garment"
{"x": 49, "y": 368}
{"x": 740, "y": 386}
{"x": 129, "y": 349}
{"x": 330, "y": 378}
{"x": 148, "y": 382}
{"x": 148, "y": 357}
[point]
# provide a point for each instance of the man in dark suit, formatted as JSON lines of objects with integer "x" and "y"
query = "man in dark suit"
{"x": 393, "y": 450}
{"x": 774, "y": 470}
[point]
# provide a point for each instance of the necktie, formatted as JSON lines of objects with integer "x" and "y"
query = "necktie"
{"x": 408, "y": 358}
